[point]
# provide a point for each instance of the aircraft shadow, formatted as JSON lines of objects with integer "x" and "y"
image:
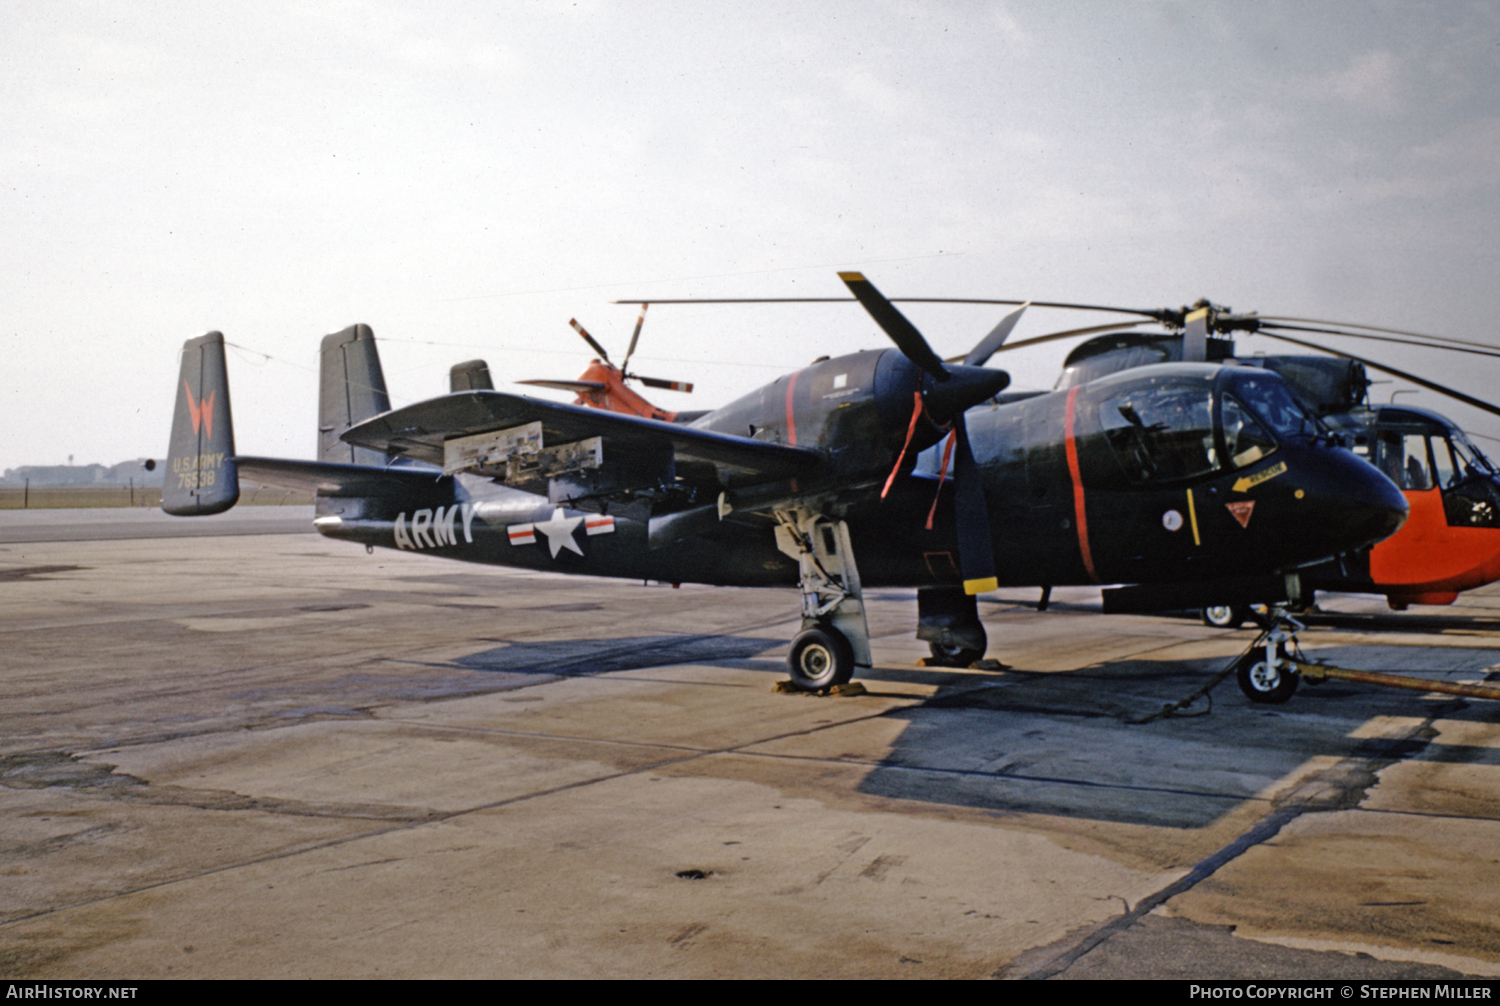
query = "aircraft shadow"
{"x": 1070, "y": 743}
{"x": 588, "y": 657}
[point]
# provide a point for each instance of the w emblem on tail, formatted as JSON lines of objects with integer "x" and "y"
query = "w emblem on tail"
{"x": 201, "y": 411}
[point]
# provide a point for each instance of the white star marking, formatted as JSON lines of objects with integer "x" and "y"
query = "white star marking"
{"x": 559, "y": 531}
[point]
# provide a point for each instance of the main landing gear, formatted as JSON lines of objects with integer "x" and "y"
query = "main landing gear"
{"x": 1266, "y": 674}
{"x": 835, "y": 638}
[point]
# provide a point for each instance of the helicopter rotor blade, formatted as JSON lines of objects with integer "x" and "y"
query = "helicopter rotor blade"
{"x": 577, "y": 387}
{"x": 1168, "y": 316}
{"x": 1195, "y": 336}
{"x": 1376, "y": 328}
{"x": 1266, "y": 329}
{"x": 657, "y": 382}
{"x": 990, "y": 344}
{"x": 589, "y": 339}
{"x": 634, "y": 338}
{"x": 1383, "y": 368}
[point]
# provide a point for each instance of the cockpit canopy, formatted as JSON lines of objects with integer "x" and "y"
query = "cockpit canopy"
{"x": 1176, "y": 423}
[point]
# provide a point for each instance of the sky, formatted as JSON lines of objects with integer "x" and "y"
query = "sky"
{"x": 466, "y": 177}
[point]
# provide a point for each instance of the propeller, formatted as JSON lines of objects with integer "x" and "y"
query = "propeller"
{"x": 625, "y": 374}
{"x": 945, "y": 393}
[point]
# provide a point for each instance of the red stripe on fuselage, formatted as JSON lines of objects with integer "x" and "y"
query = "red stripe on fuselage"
{"x": 1079, "y": 517}
{"x": 791, "y": 422}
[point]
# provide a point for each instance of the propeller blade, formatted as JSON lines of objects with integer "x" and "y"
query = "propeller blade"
{"x": 1413, "y": 378}
{"x": 634, "y": 337}
{"x": 577, "y": 387}
{"x": 902, "y": 332}
{"x": 987, "y": 346}
{"x": 1117, "y": 326}
{"x": 976, "y": 552}
{"x": 657, "y": 382}
{"x": 589, "y": 339}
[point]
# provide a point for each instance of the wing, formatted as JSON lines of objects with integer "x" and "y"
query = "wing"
{"x": 420, "y": 431}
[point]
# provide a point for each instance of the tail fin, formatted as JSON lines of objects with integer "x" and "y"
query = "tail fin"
{"x": 200, "y": 477}
{"x": 471, "y": 375}
{"x": 351, "y": 390}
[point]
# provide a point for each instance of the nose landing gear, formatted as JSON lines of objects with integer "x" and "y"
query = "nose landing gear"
{"x": 1267, "y": 674}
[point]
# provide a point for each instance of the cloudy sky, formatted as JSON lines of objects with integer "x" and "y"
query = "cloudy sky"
{"x": 467, "y": 177}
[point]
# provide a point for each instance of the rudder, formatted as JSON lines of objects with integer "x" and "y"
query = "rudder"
{"x": 200, "y": 476}
{"x": 351, "y": 389}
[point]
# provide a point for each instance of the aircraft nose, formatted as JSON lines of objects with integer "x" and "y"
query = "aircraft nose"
{"x": 1352, "y": 504}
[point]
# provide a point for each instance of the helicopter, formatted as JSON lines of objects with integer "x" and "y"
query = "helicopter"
{"x": 1139, "y": 478}
{"x": 602, "y": 385}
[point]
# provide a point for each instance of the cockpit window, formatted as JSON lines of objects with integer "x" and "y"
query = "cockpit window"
{"x": 1471, "y": 461}
{"x": 1162, "y": 432}
{"x": 1269, "y": 399}
{"x": 1245, "y": 439}
{"x": 1404, "y": 460}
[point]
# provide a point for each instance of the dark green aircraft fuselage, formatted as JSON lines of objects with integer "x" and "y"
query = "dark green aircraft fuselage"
{"x": 1163, "y": 474}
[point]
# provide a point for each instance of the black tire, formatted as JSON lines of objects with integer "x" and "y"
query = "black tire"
{"x": 820, "y": 658}
{"x": 1225, "y": 616}
{"x": 1264, "y": 683}
{"x": 955, "y": 655}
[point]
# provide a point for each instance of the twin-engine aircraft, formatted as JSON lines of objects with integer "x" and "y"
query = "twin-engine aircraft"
{"x": 1192, "y": 483}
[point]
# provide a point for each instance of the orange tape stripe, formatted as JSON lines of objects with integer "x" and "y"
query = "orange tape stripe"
{"x": 1079, "y": 516}
{"x": 791, "y": 422}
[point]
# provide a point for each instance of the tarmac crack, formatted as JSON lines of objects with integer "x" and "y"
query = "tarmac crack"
{"x": 1340, "y": 787}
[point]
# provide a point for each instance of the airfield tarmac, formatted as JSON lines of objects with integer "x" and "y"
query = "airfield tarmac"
{"x": 272, "y": 755}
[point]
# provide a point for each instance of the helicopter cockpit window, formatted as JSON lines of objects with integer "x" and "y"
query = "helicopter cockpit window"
{"x": 1245, "y": 439}
{"x": 1161, "y": 433}
{"x": 1269, "y": 398}
{"x": 1467, "y": 455}
{"x": 1404, "y": 460}
{"x": 1470, "y": 496}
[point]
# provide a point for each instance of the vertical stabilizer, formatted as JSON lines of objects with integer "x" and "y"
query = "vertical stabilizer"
{"x": 351, "y": 390}
{"x": 471, "y": 375}
{"x": 200, "y": 476}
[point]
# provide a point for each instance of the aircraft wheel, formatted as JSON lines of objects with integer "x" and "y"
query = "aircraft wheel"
{"x": 954, "y": 655}
{"x": 1271, "y": 683}
{"x": 820, "y": 658}
{"x": 1225, "y": 616}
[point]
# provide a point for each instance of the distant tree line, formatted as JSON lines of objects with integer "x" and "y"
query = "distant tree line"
{"x": 83, "y": 475}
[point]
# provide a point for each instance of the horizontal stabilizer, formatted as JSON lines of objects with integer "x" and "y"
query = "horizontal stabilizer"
{"x": 325, "y": 478}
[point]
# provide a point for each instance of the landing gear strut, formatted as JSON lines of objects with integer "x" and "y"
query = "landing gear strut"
{"x": 1266, "y": 674}
{"x": 835, "y": 638}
